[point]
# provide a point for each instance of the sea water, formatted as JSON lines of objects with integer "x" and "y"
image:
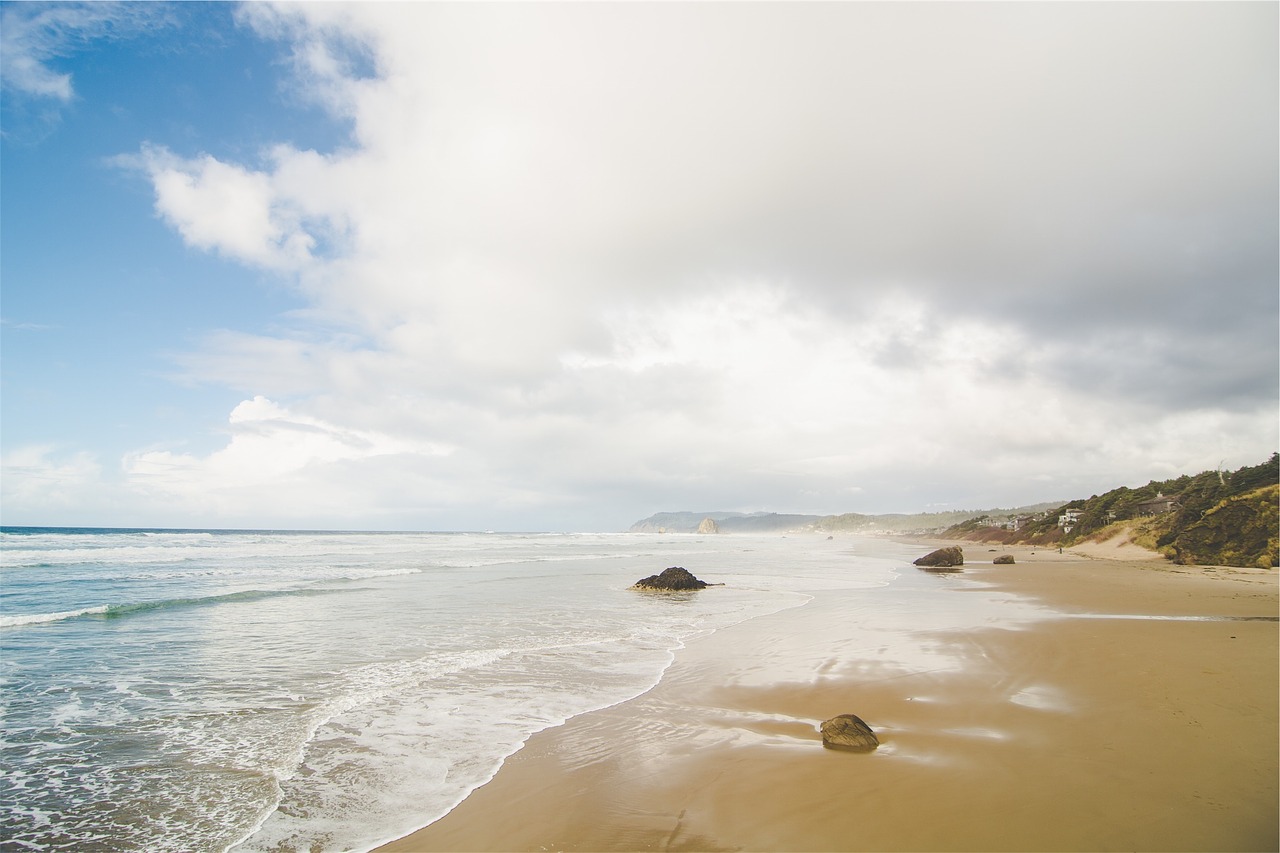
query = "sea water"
{"x": 248, "y": 691}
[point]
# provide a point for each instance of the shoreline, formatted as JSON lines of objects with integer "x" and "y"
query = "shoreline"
{"x": 1096, "y": 704}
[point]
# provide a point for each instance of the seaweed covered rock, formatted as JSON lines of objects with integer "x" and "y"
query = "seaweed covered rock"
{"x": 942, "y": 560}
{"x": 1003, "y": 560}
{"x": 850, "y": 733}
{"x": 674, "y": 578}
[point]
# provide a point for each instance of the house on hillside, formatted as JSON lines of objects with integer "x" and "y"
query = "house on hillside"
{"x": 1158, "y": 505}
{"x": 1068, "y": 519}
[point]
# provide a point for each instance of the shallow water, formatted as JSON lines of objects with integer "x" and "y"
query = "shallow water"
{"x": 206, "y": 691}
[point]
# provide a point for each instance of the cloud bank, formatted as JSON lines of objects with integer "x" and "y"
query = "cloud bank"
{"x": 582, "y": 262}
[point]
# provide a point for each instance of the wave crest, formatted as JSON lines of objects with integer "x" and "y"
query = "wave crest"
{"x": 115, "y": 611}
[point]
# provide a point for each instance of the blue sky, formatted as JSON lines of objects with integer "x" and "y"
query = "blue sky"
{"x": 559, "y": 266}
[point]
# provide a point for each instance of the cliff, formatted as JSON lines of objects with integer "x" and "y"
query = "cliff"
{"x": 1211, "y": 518}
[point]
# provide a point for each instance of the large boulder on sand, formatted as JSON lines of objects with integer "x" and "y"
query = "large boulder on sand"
{"x": 848, "y": 732}
{"x": 674, "y": 578}
{"x": 1003, "y": 560}
{"x": 942, "y": 560}
{"x": 708, "y": 525}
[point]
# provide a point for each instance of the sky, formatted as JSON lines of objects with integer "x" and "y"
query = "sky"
{"x": 558, "y": 266}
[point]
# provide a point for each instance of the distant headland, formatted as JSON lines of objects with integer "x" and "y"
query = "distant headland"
{"x": 1211, "y": 518}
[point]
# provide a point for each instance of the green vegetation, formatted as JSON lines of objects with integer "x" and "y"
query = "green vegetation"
{"x": 1239, "y": 531}
{"x": 923, "y": 522}
{"x": 1212, "y": 518}
{"x": 851, "y": 522}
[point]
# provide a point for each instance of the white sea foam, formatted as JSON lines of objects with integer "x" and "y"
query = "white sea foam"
{"x": 15, "y": 620}
{"x": 331, "y": 690}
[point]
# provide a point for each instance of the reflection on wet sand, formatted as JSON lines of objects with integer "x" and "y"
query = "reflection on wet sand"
{"x": 1006, "y": 723}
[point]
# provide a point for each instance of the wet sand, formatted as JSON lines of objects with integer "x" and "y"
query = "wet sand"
{"x": 1138, "y": 711}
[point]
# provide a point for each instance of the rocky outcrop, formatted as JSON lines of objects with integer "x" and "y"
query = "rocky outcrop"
{"x": 948, "y": 559}
{"x": 674, "y": 578}
{"x": 1003, "y": 560}
{"x": 850, "y": 733}
{"x": 708, "y": 525}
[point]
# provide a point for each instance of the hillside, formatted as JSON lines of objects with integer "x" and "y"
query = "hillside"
{"x": 917, "y": 523}
{"x": 728, "y": 522}
{"x": 1211, "y": 518}
{"x": 773, "y": 522}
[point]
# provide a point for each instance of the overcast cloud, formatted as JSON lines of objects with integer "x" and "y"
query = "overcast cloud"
{"x": 583, "y": 262}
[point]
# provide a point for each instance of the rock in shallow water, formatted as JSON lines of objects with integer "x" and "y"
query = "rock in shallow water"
{"x": 943, "y": 559}
{"x": 848, "y": 732}
{"x": 674, "y": 578}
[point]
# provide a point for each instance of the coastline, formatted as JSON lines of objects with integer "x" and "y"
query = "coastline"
{"x": 1124, "y": 704}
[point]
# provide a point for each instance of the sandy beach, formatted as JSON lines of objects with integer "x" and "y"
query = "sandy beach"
{"x": 1097, "y": 701}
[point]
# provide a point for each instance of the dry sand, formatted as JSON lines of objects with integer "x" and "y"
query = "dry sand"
{"x": 1140, "y": 714}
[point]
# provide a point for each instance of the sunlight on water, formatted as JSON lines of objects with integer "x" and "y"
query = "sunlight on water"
{"x": 199, "y": 691}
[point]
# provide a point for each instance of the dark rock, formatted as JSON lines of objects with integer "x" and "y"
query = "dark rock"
{"x": 1003, "y": 560}
{"x": 674, "y": 578}
{"x": 943, "y": 559}
{"x": 848, "y": 732}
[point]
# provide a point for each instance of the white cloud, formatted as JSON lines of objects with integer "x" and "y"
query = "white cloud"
{"x": 43, "y": 478}
{"x": 734, "y": 395}
{"x": 272, "y": 453}
{"x": 230, "y": 209}
{"x": 33, "y": 35}
{"x": 633, "y": 255}
{"x": 27, "y": 42}
{"x": 277, "y": 467}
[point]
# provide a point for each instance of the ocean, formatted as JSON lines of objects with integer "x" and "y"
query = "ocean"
{"x": 187, "y": 690}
